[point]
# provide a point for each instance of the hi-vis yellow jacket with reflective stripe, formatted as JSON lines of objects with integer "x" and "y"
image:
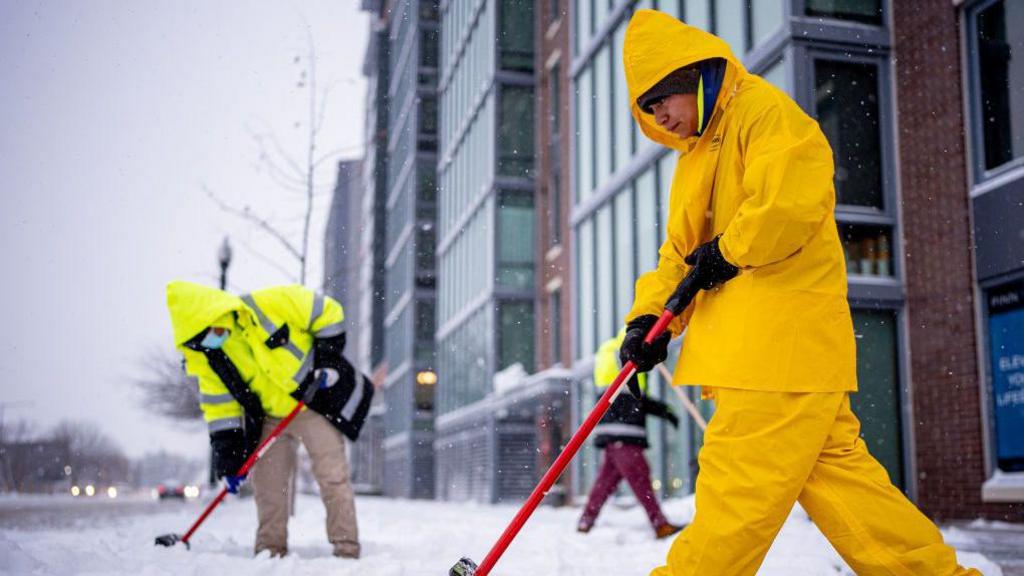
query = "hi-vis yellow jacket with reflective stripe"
{"x": 761, "y": 176}
{"x": 607, "y": 365}
{"x": 194, "y": 308}
{"x": 301, "y": 314}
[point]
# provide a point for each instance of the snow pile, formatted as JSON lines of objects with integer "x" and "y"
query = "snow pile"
{"x": 399, "y": 537}
{"x": 509, "y": 378}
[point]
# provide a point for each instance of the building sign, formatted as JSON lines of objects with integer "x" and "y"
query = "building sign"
{"x": 1006, "y": 342}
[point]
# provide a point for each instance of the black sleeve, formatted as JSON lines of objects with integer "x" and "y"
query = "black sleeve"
{"x": 328, "y": 351}
{"x": 228, "y": 374}
{"x": 656, "y": 408}
{"x": 229, "y": 451}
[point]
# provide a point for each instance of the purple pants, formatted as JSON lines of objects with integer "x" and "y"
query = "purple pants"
{"x": 623, "y": 461}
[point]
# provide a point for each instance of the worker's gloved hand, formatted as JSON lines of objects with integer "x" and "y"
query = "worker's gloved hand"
{"x": 645, "y": 356}
{"x": 325, "y": 378}
{"x": 233, "y": 483}
{"x": 710, "y": 267}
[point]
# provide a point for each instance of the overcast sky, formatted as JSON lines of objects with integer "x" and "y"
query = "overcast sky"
{"x": 113, "y": 116}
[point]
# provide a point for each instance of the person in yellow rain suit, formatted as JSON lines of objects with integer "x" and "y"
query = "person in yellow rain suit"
{"x": 770, "y": 336}
{"x": 254, "y": 357}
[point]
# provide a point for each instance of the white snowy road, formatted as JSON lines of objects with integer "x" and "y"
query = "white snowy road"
{"x": 400, "y": 538}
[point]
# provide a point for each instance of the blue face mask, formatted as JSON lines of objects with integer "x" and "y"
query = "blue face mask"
{"x": 213, "y": 341}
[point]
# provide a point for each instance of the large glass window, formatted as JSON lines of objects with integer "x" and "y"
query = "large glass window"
{"x": 605, "y": 273}
{"x": 765, "y": 18}
{"x": 515, "y": 37}
{"x": 730, "y": 24}
{"x": 776, "y": 74}
{"x": 584, "y": 25}
{"x": 603, "y": 125}
{"x": 666, "y": 172}
{"x": 515, "y": 241}
{"x": 515, "y": 132}
{"x": 999, "y": 29}
{"x": 877, "y": 401}
{"x": 585, "y": 136}
{"x": 585, "y": 285}
{"x": 555, "y": 326}
{"x": 868, "y": 249}
{"x": 647, "y": 241}
{"x": 516, "y": 335}
{"x": 846, "y": 100}
{"x": 697, "y": 14}
{"x": 624, "y": 273}
{"x": 866, "y": 11}
{"x": 624, "y": 125}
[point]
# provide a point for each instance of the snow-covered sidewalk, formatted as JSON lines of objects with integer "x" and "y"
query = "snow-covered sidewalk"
{"x": 400, "y": 538}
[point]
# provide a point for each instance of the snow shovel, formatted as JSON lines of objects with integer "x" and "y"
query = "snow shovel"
{"x": 172, "y": 539}
{"x": 679, "y": 300}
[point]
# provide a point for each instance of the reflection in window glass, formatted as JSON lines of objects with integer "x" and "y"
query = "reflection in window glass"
{"x": 585, "y": 284}
{"x": 647, "y": 240}
{"x": 603, "y": 125}
{"x": 868, "y": 249}
{"x": 584, "y": 130}
{"x": 766, "y": 17}
{"x": 624, "y": 249}
{"x": 515, "y": 39}
{"x": 1000, "y": 32}
{"x": 605, "y": 274}
{"x": 877, "y": 401}
{"x": 866, "y": 11}
{"x": 515, "y": 241}
{"x": 623, "y": 144}
{"x": 846, "y": 100}
{"x": 697, "y": 14}
{"x": 516, "y": 335}
{"x": 515, "y": 133}
{"x": 730, "y": 25}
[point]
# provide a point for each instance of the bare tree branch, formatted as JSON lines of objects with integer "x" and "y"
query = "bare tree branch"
{"x": 247, "y": 214}
{"x": 267, "y": 260}
{"x": 166, "y": 389}
{"x": 269, "y": 134}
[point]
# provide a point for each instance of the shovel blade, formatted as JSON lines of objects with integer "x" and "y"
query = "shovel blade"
{"x": 464, "y": 567}
{"x": 169, "y": 540}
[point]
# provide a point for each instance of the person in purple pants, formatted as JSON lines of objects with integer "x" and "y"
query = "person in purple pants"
{"x": 622, "y": 433}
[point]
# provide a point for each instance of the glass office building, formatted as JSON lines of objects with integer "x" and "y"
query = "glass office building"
{"x": 833, "y": 59}
{"x": 410, "y": 278}
{"x": 485, "y": 243}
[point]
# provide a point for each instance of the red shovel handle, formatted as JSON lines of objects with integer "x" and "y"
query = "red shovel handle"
{"x": 682, "y": 296}
{"x": 249, "y": 463}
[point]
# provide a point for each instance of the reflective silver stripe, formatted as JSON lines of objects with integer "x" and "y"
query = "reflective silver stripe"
{"x": 330, "y": 330}
{"x": 291, "y": 347}
{"x": 268, "y": 326}
{"x": 353, "y": 401}
{"x": 621, "y": 430}
{"x": 318, "y": 309}
{"x": 216, "y": 398}
{"x": 307, "y": 365}
{"x": 224, "y": 424}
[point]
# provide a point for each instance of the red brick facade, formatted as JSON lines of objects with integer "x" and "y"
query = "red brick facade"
{"x": 944, "y": 371}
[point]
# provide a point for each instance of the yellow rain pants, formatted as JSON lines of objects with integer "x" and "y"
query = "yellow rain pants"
{"x": 762, "y": 452}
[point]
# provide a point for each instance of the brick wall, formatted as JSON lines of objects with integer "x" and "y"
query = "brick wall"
{"x": 937, "y": 244}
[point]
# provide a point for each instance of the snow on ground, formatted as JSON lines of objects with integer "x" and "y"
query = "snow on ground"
{"x": 399, "y": 537}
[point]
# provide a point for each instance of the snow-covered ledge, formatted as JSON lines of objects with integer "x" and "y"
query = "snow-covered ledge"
{"x": 1003, "y": 487}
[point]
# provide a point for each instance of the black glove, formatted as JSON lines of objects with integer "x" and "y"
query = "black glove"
{"x": 710, "y": 266}
{"x": 644, "y": 356}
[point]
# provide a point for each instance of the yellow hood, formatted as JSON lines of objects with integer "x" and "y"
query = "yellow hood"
{"x": 195, "y": 308}
{"x": 657, "y": 44}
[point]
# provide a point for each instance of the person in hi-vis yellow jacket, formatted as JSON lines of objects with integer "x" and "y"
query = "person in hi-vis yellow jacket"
{"x": 770, "y": 336}
{"x": 253, "y": 358}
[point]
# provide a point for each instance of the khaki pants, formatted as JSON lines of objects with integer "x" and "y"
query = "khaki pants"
{"x": 762, "y": 452}
{"x": 272, "y": 475}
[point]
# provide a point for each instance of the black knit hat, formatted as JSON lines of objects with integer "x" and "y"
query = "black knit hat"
{"x": 681, "y": 81}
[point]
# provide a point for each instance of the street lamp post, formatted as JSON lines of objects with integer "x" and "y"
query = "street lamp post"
{"x": 224, "y": 257}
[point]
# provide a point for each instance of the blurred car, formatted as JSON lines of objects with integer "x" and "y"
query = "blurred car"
{"x": 170, "y": 489}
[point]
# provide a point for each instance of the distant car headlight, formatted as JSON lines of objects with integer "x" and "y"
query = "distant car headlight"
{"x": 191, "y": 491}
{"x": 75, "y": 490}
{"x": 90, "y": 490}
{"x": 112, "y": 492}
